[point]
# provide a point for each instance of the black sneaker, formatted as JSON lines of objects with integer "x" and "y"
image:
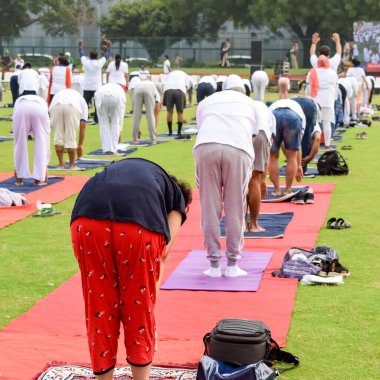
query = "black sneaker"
{"x": 180, "y": 137}
{"x": 309, "y": 196}
{"x": 299, "y": 198}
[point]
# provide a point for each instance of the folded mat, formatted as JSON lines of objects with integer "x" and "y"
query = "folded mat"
{"x": 282, "y": 198}
{"x": 189, "y": 273}
{"x": 274, "y": 224}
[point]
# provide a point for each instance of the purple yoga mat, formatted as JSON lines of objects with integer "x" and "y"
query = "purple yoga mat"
{"x": 189, "y": 273}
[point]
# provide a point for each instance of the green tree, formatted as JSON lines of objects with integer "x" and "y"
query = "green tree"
{"x": 149, "y": 22}
{"x": 302, "y": 17}
{"x": 57, "y": 17}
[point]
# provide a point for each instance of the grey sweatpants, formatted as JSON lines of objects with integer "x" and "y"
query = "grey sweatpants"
{"x": 222, "y": 175}
{"x": 144, "y": 93}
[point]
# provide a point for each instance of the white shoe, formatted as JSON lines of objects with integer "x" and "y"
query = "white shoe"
{"x": 235, "y": 271}
{"x": 213, "y": 272}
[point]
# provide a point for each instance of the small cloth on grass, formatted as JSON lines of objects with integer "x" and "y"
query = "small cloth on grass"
{"x": 10, "y": 198}
{"x": 310, "y": 279}
{"x": 46, "y": 212}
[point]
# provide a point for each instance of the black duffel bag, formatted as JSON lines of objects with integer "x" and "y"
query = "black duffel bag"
{"x": 240, "y": 342}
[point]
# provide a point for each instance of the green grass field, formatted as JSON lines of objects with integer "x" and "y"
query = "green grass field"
{"x": 334, "y": 329}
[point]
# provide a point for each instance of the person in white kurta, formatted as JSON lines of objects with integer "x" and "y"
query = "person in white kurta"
{"x": 69, "y": 112}
{"x": 117, "y": 72}
{"x": 358, "y": 73}
{"x": 260, "y": 81}
{"x": 110, "y": 102}
{"x": 31, "y": 117}
{"x": 325, "y": 50}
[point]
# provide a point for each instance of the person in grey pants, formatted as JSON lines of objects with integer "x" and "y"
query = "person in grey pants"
{"x": 223, "y": 152}
{"x": 145, "y": 92}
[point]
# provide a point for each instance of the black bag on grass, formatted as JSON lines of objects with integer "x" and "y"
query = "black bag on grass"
{"x": 241, "y": 342}
{"x": 332, "y": 163}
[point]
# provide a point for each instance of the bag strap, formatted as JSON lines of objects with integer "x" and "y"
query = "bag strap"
{"x": 206, "y": 339}
{"x": 283, "y": 356}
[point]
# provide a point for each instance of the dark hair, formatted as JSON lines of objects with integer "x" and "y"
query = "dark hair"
{"x": 324, "y": 50}
{"x": 166, "y": 56}
{"x": 27, "y": 65}
{"x": 117, "y": 61}
{"x": 355, "y": 62}
{"x": 93, "y": 54}
{"x": 63, "y": 60}
{"x": 185, "y": 189}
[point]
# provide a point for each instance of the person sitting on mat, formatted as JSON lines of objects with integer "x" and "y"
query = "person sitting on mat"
{"x": 223, "y": 152}
{"x": 290, "y": 126}
{"x": 257, "y": 187}
{"x": 121, "y": 238}
{"x": 311, "y": 139}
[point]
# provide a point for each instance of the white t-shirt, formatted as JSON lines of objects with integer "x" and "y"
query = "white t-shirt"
{"x": 117, "y": 76}
{"x": 356, "y": 72}
{"x": 109, "y": 89}
{"x": 208, "y": 79}
{"x": 259, "y": 76}
{"x": 144, "y": 74}
{"x": 230, "y": 118}
{"x": 166, "y": 66}
{"x": 267, "y": 121}
{"x": 328, "y": 87}
{"x": 133, "y": 82}
{"x": 347, "y": 84}
{"x": 92, "y": 73}
{"x": 58, "y": 78}
{"x": 70, "y": 96}
{"x": 28, "y": 80}
{"x": 177, "y": 80}
{"x": 31, "y": 98}
{"x": 334, "y": 61}
{"x": 294, "y": 106}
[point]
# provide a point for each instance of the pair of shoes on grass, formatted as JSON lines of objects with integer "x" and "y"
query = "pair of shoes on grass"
{"x": 303, "y": 197}
{"x": 338, "y": 224}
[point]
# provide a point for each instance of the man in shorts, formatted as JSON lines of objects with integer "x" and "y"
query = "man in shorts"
{"x": 261, "y": 145}
{"x": 175, "y": 89}
{"x": 290, "y": 126}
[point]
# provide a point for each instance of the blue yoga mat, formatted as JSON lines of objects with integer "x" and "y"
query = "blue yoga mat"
{"x": 144, "y": 143}
{"x": 337, "y": 138}
{"x": 29, "y": 185}
{"x": 3, "y": 138}
{"x": 310, "y": 172}
{"x": 274, "y": 224}
{"x": 99, "y": 152}
{"x": 189, "y": 273}
{"x": 84, "y": 164}
{"x": 340, "y": 131}
{"x": 283, "y": 198}
{"x": 166, "y": 135}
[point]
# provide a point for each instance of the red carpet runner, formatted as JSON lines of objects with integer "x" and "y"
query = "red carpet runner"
{"x": 53, "y": 330}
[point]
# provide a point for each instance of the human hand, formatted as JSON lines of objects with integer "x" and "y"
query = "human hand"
{"x": 315, "y": 38}
{"x": 335, "y": 37}
{"x": 109, "y": 43}
{"x": 305, "y": 160}
{"x": 299, "y": 174}
{"x": 79, "y": 151}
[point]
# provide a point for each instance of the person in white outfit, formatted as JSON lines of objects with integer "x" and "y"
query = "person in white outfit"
{"x": 92, "y": 73}
{"x": 43, "y": 82}
{"x": 166, "y": 64}
{"x": 110, "y": 102}
{"x": 351, "y": 87}
{"x": 224, "y": 156}
{"x": 145, "y": 93}
{"x": 358, "y": 73}
{"x": 69, "y": 113}
{"x": 325, "y": 50}
{"x": 31, "y": 117}
{"x": 117, "y": 72}
{"x": 260, "y": 81}
{"x": 28, "y": 80}
{"x": 60, "y": 77}
{"x": 134, "y": 78}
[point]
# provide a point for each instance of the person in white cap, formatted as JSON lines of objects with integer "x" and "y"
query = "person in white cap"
{"x": 110, "y": 102}
{"x": 223, "y": 152}
{"x": 259, "y": 80}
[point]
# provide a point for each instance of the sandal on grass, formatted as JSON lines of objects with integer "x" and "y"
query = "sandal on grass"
{"x": 46, "y": 212}
{"x": 337, "y": 224}
{"x": 346, "y": 147}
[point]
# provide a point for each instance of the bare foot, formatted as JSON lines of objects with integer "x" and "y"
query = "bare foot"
{"x": 76, "y": 168}
{"x": 19, "y": 182}
{"x": 136, "y": 142}
{"x": 277, "y": 193}
{"x": 257, "y": 229}
{"x": 287, "y": 192}
{"x": 40, "y": 183}
{"x": 61, "y": 167}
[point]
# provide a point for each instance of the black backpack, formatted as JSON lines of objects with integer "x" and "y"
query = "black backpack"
{"x": 332, "y": 163}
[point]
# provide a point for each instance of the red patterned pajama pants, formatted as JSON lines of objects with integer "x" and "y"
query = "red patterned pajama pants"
{"x": 120, "y": 266}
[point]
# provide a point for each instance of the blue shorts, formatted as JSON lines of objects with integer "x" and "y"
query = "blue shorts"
{"x": 288, "y": 129}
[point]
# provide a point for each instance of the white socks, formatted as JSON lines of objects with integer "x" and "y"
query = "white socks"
{"x": 232, "y": 271}
{"x": 235, "y": 271}
{"x": 213, "y": 272}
